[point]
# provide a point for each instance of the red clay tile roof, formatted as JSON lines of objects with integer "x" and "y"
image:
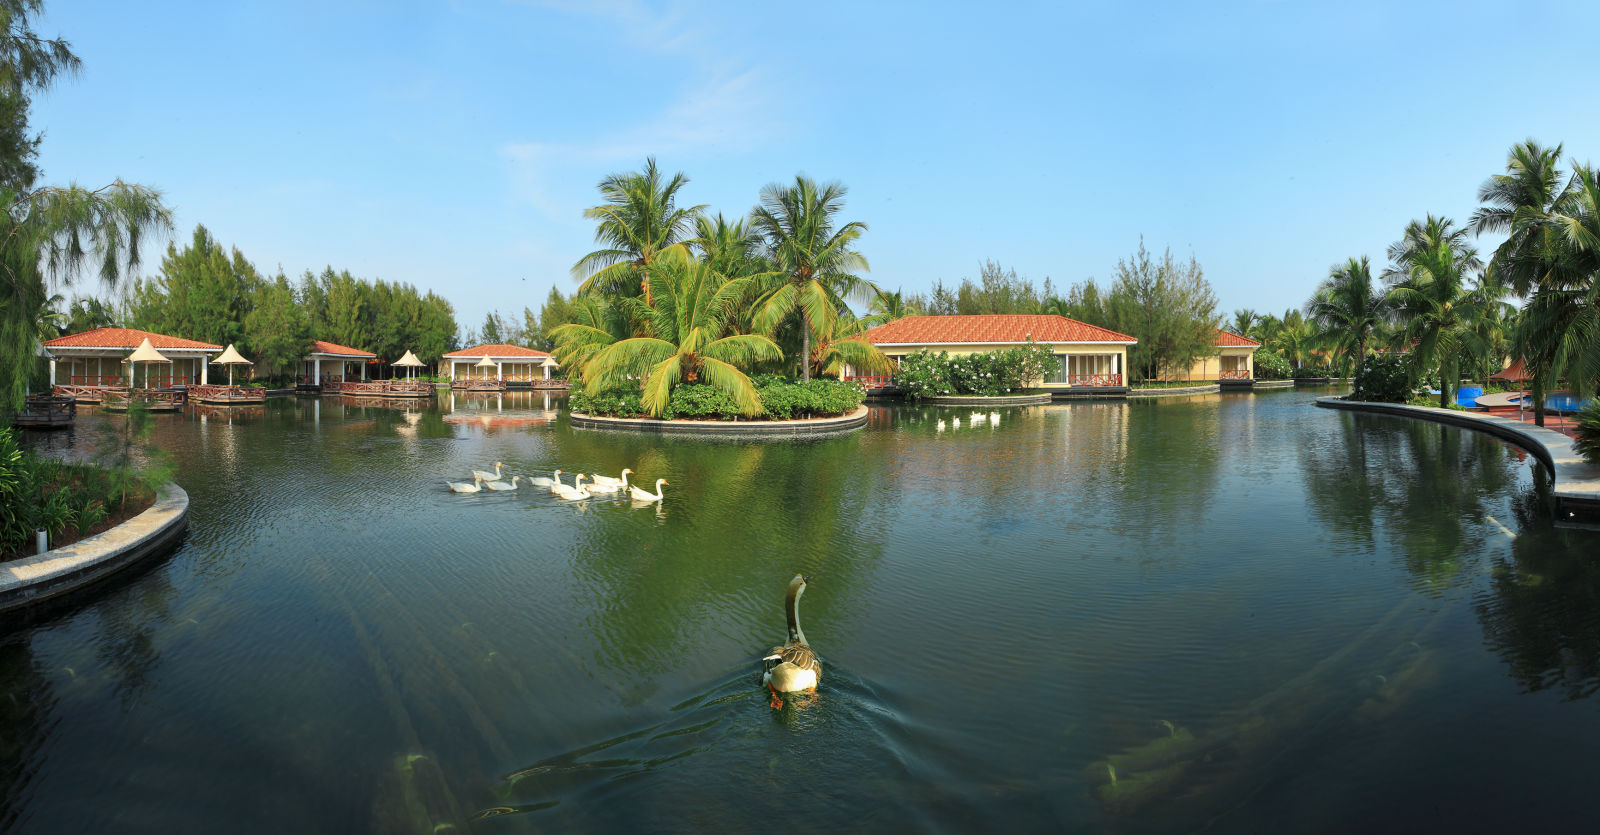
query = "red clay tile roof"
{"x": 125, "y": 338}
{"x": 497, "y": 350}
{"x": 1233, "y": 340}
{"x": 990, "y": 329}
{"x": 320, "y": 347}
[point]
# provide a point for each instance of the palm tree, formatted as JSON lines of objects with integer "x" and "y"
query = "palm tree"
{"x": 1347, "y": 308}
{"x": 689, "y": 309}
{"x": 596, "y": 324}
{"x": 639, "y": 220}
{"x": 1439, "y": 313}
{"x": 1293, "y": 338}
{"x": 817, "y": 260}
{"x": 1571, "y": 287}
{"x": 887, "y": 307}
{"x": 844, "y": 347}
{"x": 1520, "y": 203}
{"x": 1244, "y": 322}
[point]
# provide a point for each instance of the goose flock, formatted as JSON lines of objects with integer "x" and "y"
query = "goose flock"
{"x": 577, "y": 491}
{"x": 973, "y": 420}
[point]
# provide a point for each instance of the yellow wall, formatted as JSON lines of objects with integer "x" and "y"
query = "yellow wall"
{"x": 1208, "y": 368}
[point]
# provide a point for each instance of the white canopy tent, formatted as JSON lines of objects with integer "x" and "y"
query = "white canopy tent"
{"x": 145, "y": 353}
{"x": 230, "y": 358}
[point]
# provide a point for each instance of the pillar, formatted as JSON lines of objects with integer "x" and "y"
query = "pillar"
{"x": 363, "y": 371}
{"x": 52, "y": 371}
{"x": 316, "y": 371}
{"x": 205, "y": 367}
{"x": 499, "y": 373}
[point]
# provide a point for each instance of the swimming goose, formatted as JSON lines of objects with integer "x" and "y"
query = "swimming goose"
{"x": 541, "y": 481}
{"x": 640, "y": 494}
{"x": 488, "y": 476}
{"x": 465, "y": 487}
{"x": 608, "y": 481}
{"x": 556, "y": 486}
{"x": 573, "y": 493}
{"x": 792, "y": 667}
{"x": 500, "y": 485}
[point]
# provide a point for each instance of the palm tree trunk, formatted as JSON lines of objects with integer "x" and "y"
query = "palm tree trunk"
{"x": 805, "y": 352}
{"x": 1538, "y": 400}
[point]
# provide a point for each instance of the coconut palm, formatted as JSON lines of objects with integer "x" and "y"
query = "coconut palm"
{"x": 639, "y": 220}
{"x": 844, "y": 347}
{"x": 596, "y": 324}
{"x": 887, "y": 307}
{"x": 815, "y": 255}
{"x": 1347, "y": 308}
{"x": 1245, "y": 322}
{"x": 1576, "y": 278}
{"x": 1439, "y": 313}
{"x": 1519, "y": 204}
{"x": 1292, "y": 337}
{"x": 688, "y": 315}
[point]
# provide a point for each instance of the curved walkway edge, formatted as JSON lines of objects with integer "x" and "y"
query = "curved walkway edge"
{"x": 1576, "y": 482}
{"x": 728, "y": 429}
{"x": 1209, "y": 388}
{"x": 35, "y": 579}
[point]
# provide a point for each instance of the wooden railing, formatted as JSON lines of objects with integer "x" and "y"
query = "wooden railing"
{"x": 477, "y": 384}
{"x": 88, "y": 394}
{"x": 1094, "y": 379}
{"x": 1239, "y": 374}
{"x": 229, "y": 394}
{"x": 163, "y": 399}
{"x": 381, "y": 388}
{"x": 870, "y": 381}
{"x": 47, "y": 411}
{"x": 162, "y": 381}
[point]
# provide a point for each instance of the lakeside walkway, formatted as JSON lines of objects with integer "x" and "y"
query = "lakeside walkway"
{"x": 1501, "y": 404}
{"x": 1576, "y": 483}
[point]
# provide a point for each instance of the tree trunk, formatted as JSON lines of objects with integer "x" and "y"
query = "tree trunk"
{"x": 1538, "y": 399}
{"x": 805, "y": 352}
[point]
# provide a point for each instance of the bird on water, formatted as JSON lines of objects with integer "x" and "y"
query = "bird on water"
{"x": 793, "y": 667}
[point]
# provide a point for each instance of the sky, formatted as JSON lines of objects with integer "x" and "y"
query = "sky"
{"x": 455, "y": 145}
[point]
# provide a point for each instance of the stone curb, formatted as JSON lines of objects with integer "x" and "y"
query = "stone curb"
{"x": 1576, "y": 482}
{"x": 1213, "y": 388}
{"x": 38, "y": 578}
{"x": 727, "y": 429}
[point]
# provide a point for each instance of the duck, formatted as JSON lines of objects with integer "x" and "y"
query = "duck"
{"x": 640, "y": 494}
{"x": 977, "y": 418}
{"x": 792, "y": 667}
{"x": 955, "y": 423}
{"x": 994, "y": 417}
{"x": 575, "y": 492}
{"x": 541, "y": 481}
{"x": 488, "y": 476}
{"x": 940, "y": 426}
{"x": 500, "y": 485}
{"x": 472, "y": 486}
{"x": 608, "y": 481}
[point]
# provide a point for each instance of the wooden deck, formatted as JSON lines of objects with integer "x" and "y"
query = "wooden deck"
{"x": 158, "y": 400}
{"x": 471, "y": 384}
{"x": 380, "y": 388}
{"x": 89, "y": 394}
{"x": 228, "y": 395}
{"x": 47, "y": 412}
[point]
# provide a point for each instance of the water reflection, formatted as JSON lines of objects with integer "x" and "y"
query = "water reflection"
{"x": 1422, "y": 487}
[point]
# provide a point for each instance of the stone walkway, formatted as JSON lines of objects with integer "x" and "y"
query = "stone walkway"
{"x": 1501, "y": 404}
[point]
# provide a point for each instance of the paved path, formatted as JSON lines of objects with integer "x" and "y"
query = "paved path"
{"x": 1503, "y": 404}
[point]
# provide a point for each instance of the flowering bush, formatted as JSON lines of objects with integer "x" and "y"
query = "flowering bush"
{"x": 1384, "y": 378}
{"x": 926, "y": 374}
{"x": 1270, "y": 366}
{"x": 780, "y": 399}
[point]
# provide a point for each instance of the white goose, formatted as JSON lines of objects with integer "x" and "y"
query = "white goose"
{"x": 500, "y": 485}
{"x": 541, "y": 481}
{"x": 488, "y": 476}
{"x": 607, "y": 481}
{"x": 613, "y": 487}
{"x": 556, "y": 486}
{"x": 574, "y": 493}
{"x": 639, "y": 494}
{"x": 472, "y": 486}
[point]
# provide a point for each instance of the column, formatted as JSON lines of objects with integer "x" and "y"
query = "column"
{"x": 316, "y": 371}
{"x": 499, "y": 373}
{"x": 205, "y": 366}
{"x": 363, "y": 371}
{"x": 52, "y": 371}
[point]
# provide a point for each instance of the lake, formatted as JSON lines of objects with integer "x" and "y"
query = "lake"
{"x": 1238, "y": 611}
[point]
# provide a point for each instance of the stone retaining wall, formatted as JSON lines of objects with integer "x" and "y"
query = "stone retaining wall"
{"x": 35, "y": 579}
{"x": 1006, "y": 400}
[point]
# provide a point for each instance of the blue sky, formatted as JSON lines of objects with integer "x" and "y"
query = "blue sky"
{"x": 454, "y": 146}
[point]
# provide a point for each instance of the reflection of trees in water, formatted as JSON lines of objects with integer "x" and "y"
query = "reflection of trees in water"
{"x": 760, "y": 512}
{"x": 1422, "y": 486}
{"x": 25, "y": 700}
{"x": 1543, "y": 613}
{"x": 1168, "y": 477}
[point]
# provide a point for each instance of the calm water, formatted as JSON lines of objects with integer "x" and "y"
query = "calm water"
{"x": 1256, "y": 614}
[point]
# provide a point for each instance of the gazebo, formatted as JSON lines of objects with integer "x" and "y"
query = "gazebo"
{"x": 86, "y": 365}
{"x": 229, "y": 394}
{"x": 496, "y": 366}
{"x": 329, "y": 362}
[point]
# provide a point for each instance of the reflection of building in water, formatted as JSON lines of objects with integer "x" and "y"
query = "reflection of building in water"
{"x": 508, "y": 410}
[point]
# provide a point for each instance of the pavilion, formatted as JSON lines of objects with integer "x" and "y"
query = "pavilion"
{"x": 1091, "y": 356}
{"x": 95, "y": 359}
{"x": 498, "y": 363}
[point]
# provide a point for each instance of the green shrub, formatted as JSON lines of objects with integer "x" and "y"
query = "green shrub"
{"x": 781, "y": 399}
{"x": 1587, "y": 442}
{"x": 1270, "y": 366}
{"x": 613, "y": 403}
{"x": 1384, "y": 378}
{"x": 58, "y": 498}
{"x": 925, "y": 374}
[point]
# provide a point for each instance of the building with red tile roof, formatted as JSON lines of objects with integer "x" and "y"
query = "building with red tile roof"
{"x": 330, "y": 362}
{"x": 1090, "y": 355}
{"x": 96, "y": 358}
{"x": 1234, "y": 360}
{"x": 512, "y": 363}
